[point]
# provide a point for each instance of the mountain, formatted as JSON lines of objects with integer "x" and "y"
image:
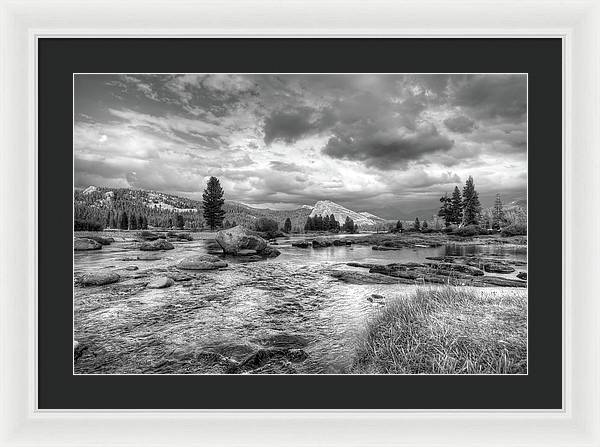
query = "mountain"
{"x": 373, "y": 217}
{"x": 327, "y": 208}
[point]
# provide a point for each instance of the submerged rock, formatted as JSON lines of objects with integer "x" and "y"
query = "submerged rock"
{"x": 159, "y": 244}
{"x": 148, "y": 236}
{"x": 270, "y": 252}
{"x": 82, "y": 243}
{"x": 161, "y": 282}
{"x": 99, "y": 278}
{"x": 319, "y": 243}
{"x": 239, "y": 238}
{"x": 101, "y": 239}
{"x": 301, "y": 244}
{"x": 366, "y": 278}
{"x": 132, "y": 267}
{"x": 201, "y": 262}
{"x": 498, "y": 268}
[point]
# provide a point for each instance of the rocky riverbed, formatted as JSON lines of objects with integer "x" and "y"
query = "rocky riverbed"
{"x": 140, "y": 310}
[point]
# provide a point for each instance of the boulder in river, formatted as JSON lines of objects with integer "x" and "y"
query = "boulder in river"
{"x": 232, "y": 240}
{"x": 498, "y": 268}
{"x": 301, "y": 244}
{"x": 270, "y": 252}
{"x": 83, "y": 243}
{"x": 161, "y": 282}
{"x": 101, "y": 239}
{"x": 318, "y": 243}
{"x": 201, "y": 262}
{"x": 99, "y": 278}
{"x": 148, "y": 236}
{"x": 522, "y": 275}
{"x": 159, "y": 244}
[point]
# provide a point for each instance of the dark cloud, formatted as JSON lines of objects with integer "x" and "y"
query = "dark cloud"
{"x": 492, "y": 96}
{"x": 288, "y": 126}
{"x": 387, "y": 149}
{"x": 459, "y": 124}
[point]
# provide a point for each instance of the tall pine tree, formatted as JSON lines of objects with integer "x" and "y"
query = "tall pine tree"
{"x": 417, "y": 225}
{"x": 471, "y": 205}
{"x": 287, "y": 226}
{"x": 123, "y": 222}
{"x": 445, "y": 211}
{"x": 212, "y": 203}
{"x": 456, "y": 205}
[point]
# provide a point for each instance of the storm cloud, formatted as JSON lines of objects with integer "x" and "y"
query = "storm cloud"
{"x": 373, "y": 142}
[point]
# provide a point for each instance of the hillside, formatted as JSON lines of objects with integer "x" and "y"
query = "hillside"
{"x": 106, "y": 204}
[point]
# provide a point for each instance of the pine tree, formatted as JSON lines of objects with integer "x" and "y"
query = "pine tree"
{"x": 212, "y": 203}
{"x": 179, "y": 221}
{"x": 334, "y": 225}
{"x": 349, "y": 225}
{"x": 145, "y": 226}
{"x": 445, "y": 211}
{"x": 399, "y": 227}
{"x": 471, "y": 205}
{"x": 326, "y": 223}
{"x": 140, "y": 223}
{"x": 425, "y": 225}
{"x": 123, "y": 222}
{"x": 287, "y": 226}
{"x": 497, "y": 213}
{"x": 133, "y": 222}
{"x": 308, "y": 226}
{"x": 318, "y": 222}
{"x": 417, "y": 224}
{"x": 456, "y": 207}
{"x": 113, "y": 220}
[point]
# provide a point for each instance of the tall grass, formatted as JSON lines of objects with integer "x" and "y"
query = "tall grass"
{"x": 446, "y": 330}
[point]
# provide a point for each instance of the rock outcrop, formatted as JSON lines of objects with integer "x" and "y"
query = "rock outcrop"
{"x": 82, "y": 243}
{"x": 162, "y": 282}
{"x": 99, "y": 278}
{"x": 201, "y": 262}
{"x": 159, "y": 244}
{"x": 239, "y": 241}
{"x": 232, "y": 240}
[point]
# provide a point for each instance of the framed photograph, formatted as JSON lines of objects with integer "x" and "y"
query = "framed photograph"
{"x": 262, "y": 236}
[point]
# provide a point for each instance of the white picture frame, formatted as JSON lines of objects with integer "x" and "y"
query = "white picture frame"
{"x": 577, "y": 23}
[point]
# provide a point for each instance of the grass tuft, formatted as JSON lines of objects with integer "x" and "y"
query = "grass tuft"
{"x": 447, "y": 330}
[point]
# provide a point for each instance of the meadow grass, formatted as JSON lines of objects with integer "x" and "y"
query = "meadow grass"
{"x": 446, "y": 330}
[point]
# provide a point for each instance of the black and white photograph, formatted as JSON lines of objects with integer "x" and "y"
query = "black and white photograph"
{"x": 300, "y": 223}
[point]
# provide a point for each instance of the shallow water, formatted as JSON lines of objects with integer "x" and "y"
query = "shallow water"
{"x": 289, "y": 301}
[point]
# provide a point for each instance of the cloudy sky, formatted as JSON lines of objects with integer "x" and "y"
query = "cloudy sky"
{"x": 387, "y": 144}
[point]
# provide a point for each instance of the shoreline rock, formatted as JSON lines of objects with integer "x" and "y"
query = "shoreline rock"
{"x": 201, "y": 262}
{"x": 238, "y": 241}
{"x": 84, "y": 244}
{"x": 159, "y": 244}
{"x": 162, "y": 282}
{"x": 99, "y": 278}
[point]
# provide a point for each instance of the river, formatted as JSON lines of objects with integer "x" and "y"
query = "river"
{"x": 289, "y": 301}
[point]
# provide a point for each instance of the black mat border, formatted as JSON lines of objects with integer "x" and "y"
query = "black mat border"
{"x": 59, "y": 58}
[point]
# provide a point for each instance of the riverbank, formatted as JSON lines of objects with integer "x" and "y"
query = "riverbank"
{"x": 446, "y": 330}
